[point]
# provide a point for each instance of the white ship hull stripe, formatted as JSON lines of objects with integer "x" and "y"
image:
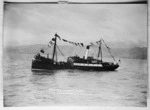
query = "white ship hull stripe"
{"x": 85, "y": 64}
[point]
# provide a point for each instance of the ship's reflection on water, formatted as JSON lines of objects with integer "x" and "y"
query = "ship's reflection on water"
{"x": 71, "y": 72}
{"x": 43, "y": 72}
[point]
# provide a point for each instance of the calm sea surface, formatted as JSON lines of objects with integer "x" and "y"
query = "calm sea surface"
{"x": 125, "y": 87}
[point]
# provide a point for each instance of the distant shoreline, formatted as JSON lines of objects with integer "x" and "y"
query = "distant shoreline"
{"x": 74, "y": 55}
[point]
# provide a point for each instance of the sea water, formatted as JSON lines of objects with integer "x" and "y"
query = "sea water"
{"x": 127, "y": 86}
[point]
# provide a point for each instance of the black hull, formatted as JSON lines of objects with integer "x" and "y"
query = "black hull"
{"x": 96, "y": 68}
{"x": 42, "y": 65}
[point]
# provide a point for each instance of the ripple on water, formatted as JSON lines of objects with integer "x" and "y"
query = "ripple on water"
{"x": 23, "y": 87}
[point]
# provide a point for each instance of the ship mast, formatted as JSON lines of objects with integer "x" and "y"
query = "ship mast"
{"x": 54, "y": 50}
{"x": 100, "y": 51}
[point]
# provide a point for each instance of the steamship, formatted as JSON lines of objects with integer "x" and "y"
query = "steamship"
{"x": 74, "y": 62}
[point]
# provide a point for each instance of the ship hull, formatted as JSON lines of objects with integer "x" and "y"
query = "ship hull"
{"x": 38, "y": 65}
{"x": 94, "y": 67}
{"x": 48, "y": 65}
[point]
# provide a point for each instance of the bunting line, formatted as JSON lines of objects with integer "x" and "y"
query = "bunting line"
{"x": 51, "y": 43}
{"x": 73, "y": 43}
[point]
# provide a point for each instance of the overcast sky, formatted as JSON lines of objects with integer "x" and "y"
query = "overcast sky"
{"x": 28, "y": 24}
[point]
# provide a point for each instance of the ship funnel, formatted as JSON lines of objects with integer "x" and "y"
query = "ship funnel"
{"x": 87, "y": 50}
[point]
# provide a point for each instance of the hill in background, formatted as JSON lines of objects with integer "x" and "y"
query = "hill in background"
{"x": 134, "y": 52}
